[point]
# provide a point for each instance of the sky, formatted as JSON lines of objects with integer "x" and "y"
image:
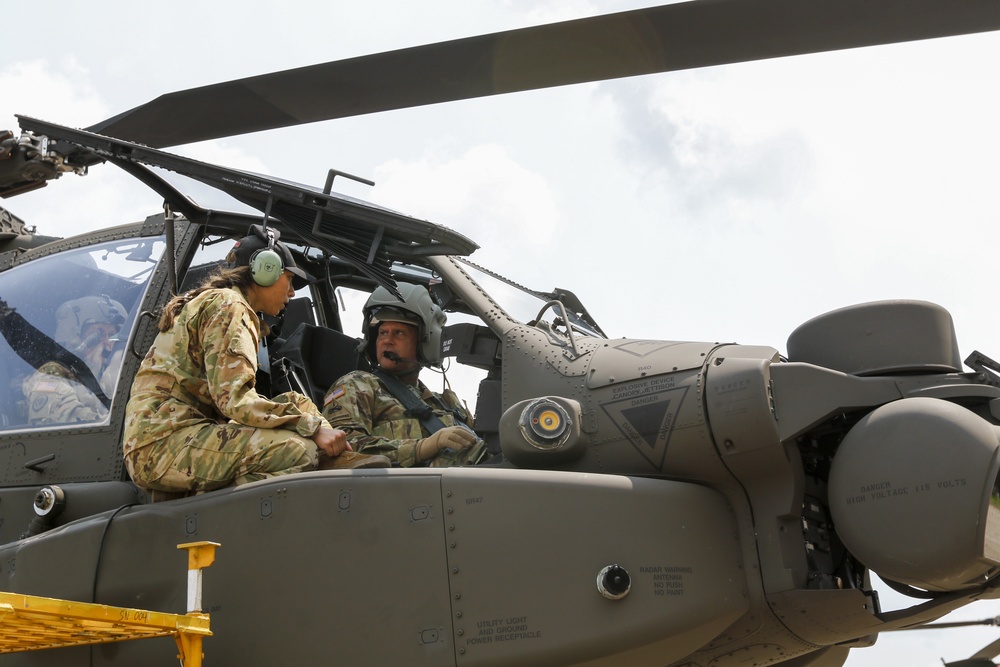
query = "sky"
{"x": 724, "y": 204}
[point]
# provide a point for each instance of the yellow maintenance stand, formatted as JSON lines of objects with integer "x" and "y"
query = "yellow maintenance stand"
{"x": 29, "y": 623}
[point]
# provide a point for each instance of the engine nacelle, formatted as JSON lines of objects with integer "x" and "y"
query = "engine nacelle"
{"x": 913, "y": 494}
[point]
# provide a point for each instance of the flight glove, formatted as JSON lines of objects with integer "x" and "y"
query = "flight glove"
{"x": 451, "y": 437}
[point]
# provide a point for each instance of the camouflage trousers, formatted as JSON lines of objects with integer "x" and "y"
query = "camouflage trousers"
{"x": 212, "y": 456}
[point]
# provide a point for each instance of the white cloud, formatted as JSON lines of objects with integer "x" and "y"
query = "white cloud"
{"x": 709, "y": 168}
{"x": 63, "y": 93}
{"x": 60, "y": 93}
{"x": 559, "y": 10}
{"x": 483, "y": 193}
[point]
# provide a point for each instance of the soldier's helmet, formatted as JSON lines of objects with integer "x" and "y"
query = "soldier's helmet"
{"x": 73, "y": 317}
{"x": 417, "y": 308}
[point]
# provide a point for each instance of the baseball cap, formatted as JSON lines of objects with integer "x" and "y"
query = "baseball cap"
{"x": 256, "y": 239}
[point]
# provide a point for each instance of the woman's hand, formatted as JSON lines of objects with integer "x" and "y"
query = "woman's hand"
{"x": 331, "y": 441}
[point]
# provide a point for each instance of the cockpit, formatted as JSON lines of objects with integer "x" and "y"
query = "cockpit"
{"x": 65, "y": 322}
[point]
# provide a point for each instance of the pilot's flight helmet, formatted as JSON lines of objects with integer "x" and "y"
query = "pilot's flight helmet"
{"x": 73, "y": 316}
{"x": 417, "y": 308}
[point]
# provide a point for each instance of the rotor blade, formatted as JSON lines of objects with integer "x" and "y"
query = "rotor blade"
{"x": 988, "y": 652}
{"x": 657, "y": 39}
{"x": 955, "y": 624}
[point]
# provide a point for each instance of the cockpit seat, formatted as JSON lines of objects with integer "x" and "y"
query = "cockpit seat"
{"x": 318, "y": 356}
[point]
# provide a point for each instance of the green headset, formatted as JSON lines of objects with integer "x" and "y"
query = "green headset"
{"x": 266, "y": 264}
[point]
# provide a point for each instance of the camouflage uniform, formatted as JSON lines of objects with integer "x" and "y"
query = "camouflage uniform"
{"x": 194, "y": 421}
{"x": 55, "y": 396}
{"x": 376, "y": 422}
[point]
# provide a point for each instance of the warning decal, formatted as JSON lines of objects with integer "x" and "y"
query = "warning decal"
{"x": 646, "y": 417}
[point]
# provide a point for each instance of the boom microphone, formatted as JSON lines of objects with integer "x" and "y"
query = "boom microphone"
{"x": 392, "y": 356}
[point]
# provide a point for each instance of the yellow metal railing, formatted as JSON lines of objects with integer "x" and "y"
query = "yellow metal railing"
{"x": 29, "y": 623}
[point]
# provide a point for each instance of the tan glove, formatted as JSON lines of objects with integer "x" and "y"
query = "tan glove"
{"x": 451, "y": 437}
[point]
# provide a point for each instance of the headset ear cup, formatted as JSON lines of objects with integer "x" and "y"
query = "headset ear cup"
{"x": 266, "y": 267}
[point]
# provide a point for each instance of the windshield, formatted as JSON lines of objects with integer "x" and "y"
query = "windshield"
{"x": 64, "y": 323}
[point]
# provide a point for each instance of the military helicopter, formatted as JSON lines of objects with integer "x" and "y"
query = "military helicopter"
{"x": 772, "y": 483}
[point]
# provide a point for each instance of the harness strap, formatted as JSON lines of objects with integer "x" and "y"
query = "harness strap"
{"x": 414, "y": 405}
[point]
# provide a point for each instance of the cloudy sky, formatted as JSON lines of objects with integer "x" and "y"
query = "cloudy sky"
{"x": 724, "y": 204}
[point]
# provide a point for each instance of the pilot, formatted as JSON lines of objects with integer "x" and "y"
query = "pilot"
{"x": 195, "y": 421}
{"x": 390, "y": 411}
{"x": 56, "y": 394}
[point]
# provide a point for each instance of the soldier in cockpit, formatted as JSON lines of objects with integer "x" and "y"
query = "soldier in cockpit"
{"x": 55, "y": 393}
{"x": 390, "y": 411}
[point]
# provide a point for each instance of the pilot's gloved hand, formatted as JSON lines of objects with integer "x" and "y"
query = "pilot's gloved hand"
{"x": 451, "y": 437}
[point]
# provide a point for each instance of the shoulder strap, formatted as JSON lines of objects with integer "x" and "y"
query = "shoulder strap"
{"x": 414, "y": 405}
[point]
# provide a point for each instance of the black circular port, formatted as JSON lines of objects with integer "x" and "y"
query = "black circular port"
{"x": 614, "y": 582}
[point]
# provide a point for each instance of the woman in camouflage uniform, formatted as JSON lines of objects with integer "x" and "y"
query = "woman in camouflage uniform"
{"x": 194, "y": 421}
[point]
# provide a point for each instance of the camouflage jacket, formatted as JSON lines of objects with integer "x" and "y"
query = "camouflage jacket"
{"x": 55, "y": 396}
{"x": 376, "y": 422}
{"x": 203, "y": 371}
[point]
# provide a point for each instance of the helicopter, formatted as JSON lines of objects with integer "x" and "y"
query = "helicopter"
{"x": 751, "y": 616}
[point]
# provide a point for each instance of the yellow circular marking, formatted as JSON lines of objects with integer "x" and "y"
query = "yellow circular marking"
{"x": 549, "y": 420}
